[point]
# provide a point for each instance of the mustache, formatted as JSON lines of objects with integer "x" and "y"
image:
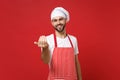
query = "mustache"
{"x": 59, "y": 25}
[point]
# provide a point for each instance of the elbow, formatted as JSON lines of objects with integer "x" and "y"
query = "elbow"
{"x": 45, "y": 60}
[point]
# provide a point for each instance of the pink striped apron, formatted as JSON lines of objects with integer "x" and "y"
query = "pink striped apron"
{"x": 62, "y": 65}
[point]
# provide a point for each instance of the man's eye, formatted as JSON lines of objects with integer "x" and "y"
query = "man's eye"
{"x": 54, "y": 20}
{"x": 61, "y": 19}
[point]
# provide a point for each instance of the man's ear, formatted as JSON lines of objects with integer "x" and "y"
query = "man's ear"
{"x": 66, "y": 20}
{"x": 51, "y": 22}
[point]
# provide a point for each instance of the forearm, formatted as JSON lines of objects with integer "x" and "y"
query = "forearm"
{"x": 79, "y": 72}
{"x": 78, "y": 69}
{"x": 45, "y": 56}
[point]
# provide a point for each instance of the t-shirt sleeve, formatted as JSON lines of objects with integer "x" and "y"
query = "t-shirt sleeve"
{"x": 76, "y": 50}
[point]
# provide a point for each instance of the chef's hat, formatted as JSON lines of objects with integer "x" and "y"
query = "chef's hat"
{"x": 60, "y": 11}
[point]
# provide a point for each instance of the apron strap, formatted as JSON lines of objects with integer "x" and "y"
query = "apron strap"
{"x": 55, "y": 41}
{"x": 70, "y": 41}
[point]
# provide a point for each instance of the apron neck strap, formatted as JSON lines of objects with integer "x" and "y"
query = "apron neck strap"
{"x": 70, "y": 41}
{"x": 55, "y": 41}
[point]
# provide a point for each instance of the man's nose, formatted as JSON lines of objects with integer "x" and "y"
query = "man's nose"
{"x": 58, "y": 22}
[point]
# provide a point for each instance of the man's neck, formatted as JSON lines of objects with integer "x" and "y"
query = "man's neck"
{"x": 60, "y": 34}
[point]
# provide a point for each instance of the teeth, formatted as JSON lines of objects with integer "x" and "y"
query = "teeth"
{"x": 59, "y": 26}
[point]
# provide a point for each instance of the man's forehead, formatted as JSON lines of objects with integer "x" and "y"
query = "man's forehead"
{"x": 58, "y": 17}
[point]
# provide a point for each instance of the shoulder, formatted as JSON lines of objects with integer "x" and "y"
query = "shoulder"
{"x": 73, "y": 38}
{"x": 50, "y": 36}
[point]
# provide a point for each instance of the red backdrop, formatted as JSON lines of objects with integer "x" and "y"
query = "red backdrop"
{"x": 94, "y": 22}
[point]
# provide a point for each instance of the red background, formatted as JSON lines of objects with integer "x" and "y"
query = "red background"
{"x": 95, "y": 23}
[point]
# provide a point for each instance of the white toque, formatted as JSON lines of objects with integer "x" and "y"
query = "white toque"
{"x": 60, "y": 11}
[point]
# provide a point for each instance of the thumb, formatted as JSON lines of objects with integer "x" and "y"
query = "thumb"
{"x": 36, "y": 43}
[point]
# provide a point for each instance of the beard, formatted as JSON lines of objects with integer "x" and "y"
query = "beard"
{"x": 59, "y": 27}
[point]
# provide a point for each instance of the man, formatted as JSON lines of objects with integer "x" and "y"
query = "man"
{"x": 60, "y": 50}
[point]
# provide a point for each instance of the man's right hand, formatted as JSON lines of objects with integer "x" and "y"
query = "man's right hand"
{"x": 42, "y": 42}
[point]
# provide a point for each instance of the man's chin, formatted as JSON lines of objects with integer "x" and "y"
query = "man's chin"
{"x": 59, "y": 30}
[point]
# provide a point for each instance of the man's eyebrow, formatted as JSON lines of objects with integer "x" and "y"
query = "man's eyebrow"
{"x": 59, "y": 18}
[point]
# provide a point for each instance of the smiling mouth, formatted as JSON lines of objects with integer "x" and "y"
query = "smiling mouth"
{"x": 59, "y": 27}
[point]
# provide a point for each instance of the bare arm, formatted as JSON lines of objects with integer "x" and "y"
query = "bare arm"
{"x": 42, "y": 43}
{"x": 78, "y": 68}
{"x": 45, "y": 56}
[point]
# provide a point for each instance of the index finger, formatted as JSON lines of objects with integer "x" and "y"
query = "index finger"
{"x": 36, "y": 43}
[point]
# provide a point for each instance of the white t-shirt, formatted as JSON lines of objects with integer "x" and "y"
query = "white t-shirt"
{"x": 62, "y": 42}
